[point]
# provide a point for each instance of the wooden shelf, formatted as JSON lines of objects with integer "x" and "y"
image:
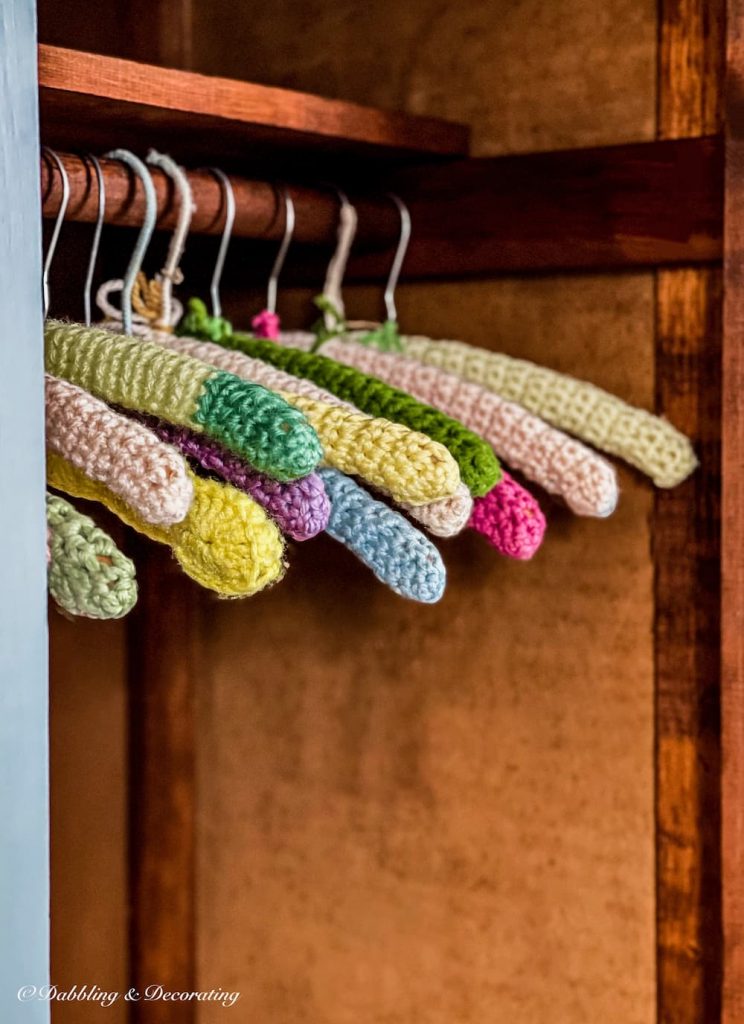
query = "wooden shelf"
{"x": 643, "y": 204}
{"x": 93, "y": 102}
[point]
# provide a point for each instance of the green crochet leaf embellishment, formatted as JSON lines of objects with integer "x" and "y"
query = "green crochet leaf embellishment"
{"x": 197, "y": 322}
{"x": 330, "y": 315}
{"x": 386, "y": 337}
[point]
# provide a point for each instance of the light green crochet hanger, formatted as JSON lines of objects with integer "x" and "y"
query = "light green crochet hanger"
{"x": 645, "y": 441}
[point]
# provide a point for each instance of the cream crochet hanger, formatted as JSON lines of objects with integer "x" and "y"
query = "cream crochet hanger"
{"x": 646, "y": 441}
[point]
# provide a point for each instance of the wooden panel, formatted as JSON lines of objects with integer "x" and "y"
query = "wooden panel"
{"x": 445, "y": 814}
{"x": 88, "y": 736}
{"x": 164, "y": 645}
{"x": 611, "y": 207}
{"x": 733, "y": 532}
{"x": 24, "y": 742}
{"x": 90, "y": 100}
{"x": 686, "y": 551}
{"x": 526, "y": 74}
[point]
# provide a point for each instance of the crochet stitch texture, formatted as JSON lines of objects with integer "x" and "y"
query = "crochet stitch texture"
{"x": 510, "y": 519}
{"x": 396, "y": 552}
{"x": 446, "y": 517}
{"x": 149, "y": 475}
{"x": 226, "y": 542}
{"x": 647, "y": 442}
{"x": 443, "y": 517}
{"x": 245, "y": 417}
{"x": 403, "y": 463}
{"x": 555, "y": 461}
{"x": 300, "y": 508}
{"x": 87, "y": 573}
{"x": 479, "y": 467}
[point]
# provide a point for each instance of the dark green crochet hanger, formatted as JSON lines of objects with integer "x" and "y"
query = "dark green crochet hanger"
{"x": 479, "y": 467}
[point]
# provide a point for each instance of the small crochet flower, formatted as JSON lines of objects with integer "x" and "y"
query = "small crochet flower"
{"x": 266, "y": 325}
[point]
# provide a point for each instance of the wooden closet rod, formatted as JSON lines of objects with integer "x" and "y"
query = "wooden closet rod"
{"x": 259, "y": 205}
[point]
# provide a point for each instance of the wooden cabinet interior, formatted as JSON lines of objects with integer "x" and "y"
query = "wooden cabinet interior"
{"x": 657, "y": 203}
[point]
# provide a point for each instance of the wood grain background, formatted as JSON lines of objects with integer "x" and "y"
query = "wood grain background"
{"x": 409, "y": 814}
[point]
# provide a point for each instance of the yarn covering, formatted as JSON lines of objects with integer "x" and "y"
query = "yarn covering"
{"x": 87, "y": 574}
{"x": 266, "y": 325}
{"x": 552, "y": 459}
{"x": 648, "y": 442}
{"x": 403, "y": 463}
{"x": 150, "y": 476}
{"x": 300, "y": 508}
{"x": 479, "y": 467}
{"x": 444, "y": 518}
{"x": 226, "y": 542}
{"x": 510, "y": 519}
{"x": 396, "y": 552}
{"x": 247, "y": 418}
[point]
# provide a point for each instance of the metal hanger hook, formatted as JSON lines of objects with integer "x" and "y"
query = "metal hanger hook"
{"x": 57, "y": 223}
{"x": 145, "y": 234}
{"x": 289, "y": 226}
{"x": 346, "y": 232}
{"x": 95, "y": 245}
{"x": 228, "y": 199}
{"x": 400, "y": 255}
{"x": 170, "y": 309}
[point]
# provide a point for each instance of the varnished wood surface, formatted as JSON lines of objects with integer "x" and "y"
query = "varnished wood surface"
{"x": 87, "y": 98}
{"x": 686, "y": 547}
{"x": 733, "y": 532}
{"x": 164, "y": 657}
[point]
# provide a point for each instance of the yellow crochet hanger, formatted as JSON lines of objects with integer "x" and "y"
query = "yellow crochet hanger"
{"x": 405, "y": 464}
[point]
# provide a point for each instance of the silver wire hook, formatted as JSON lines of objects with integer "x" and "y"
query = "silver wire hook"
{"x": 400, "y": 255}
{"x": 96, "y": 237}
{"x": 289, "y": 224}
{"x": 57, "y": 224}
{"x": 145, "y": 234}
{"x": 228, "y": 197}
{"x": 345, "y": 234}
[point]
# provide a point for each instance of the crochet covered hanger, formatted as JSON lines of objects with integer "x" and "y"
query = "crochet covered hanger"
{"x": 142, "y": 470}
{"x": 87, "y": 574}
{"x": 511, "y": 518}
{"x": 246, "y": 418}
{"x": 395, "y": 551}
{"x": 224, "y": 540}
{"x": 444, "y": 517}
{"x": 559, "y": 464}
{"x": 408, "y": 466}
{"x": 643, "y": 440}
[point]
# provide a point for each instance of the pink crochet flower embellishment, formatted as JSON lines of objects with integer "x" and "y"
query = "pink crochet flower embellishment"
{"x": 266, "y": 325}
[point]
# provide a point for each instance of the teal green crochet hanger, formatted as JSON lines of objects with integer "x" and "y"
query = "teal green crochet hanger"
{"x": 479, "y": 467}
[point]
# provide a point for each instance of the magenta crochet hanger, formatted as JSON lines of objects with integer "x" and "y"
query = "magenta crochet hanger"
{"x": 266, "y": 323}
